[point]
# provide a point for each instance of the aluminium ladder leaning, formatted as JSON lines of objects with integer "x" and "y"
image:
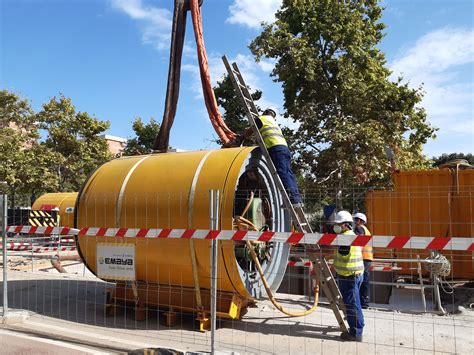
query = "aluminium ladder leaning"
{"x": 328, "y": 284}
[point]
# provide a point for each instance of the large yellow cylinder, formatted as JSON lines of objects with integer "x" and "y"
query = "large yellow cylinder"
{"x": 172, "y": 191}
{"x": 65, "y": 201}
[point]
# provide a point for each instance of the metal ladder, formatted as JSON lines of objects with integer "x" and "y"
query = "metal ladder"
{"x": 328, "y": 284}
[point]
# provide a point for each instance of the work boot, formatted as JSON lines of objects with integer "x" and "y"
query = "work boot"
{"x": 298, "y": 205}
{"x": 349, "y": 337}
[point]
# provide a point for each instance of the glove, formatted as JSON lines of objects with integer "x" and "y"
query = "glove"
{"x": 237, "y": 142}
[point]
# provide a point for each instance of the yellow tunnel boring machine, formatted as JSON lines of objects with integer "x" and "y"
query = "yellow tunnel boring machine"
{"x": 171, "y": 190}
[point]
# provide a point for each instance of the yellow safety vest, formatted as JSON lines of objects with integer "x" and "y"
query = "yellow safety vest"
{"x": 271, "y": 132}
{"x": 350, "y": 264}
{"x": 367, "y": 252}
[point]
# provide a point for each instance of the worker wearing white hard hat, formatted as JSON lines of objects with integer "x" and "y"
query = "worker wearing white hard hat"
{"x": 360, "y": 221}
{"x": 349, "y": 269}
{"x": 360, "y": 216}
{"x": 270, "y": 111}
{"x": 277, "y": 149}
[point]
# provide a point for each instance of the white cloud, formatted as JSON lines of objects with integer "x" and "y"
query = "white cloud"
{"x": 438, "y": 60}
{"x": 195, "y": 79}
{"x": 252, "y": 13}
{"x": 436, "y": 52}
{"x": 267, "y": 65}
{"x": 189, "y": 49}
{"x": 155, "y": 22}
{"x": 249, "y": 69}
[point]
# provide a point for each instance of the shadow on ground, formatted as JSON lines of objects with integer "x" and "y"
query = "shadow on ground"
{"x": 84, "y": 301}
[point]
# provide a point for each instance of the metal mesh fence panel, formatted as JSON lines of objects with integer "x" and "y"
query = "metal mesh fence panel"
{"x": 137, "y": 274}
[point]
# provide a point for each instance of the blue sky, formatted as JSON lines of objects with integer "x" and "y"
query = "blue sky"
{"x": 111, "y": 58}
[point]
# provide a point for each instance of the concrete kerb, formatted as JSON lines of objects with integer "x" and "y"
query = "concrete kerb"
{"x": 14, "y": 317}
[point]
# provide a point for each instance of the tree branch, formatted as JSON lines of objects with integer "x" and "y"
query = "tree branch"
{"x": 327, "y": 177}
{"x": 314, "y": 147}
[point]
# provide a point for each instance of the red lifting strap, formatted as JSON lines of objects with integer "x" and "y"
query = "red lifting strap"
{"x": 172, "y": 91}
{"x": 224, "y": 132}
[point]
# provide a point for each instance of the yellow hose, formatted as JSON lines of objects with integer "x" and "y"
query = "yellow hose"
{"x": 270, "y": 294}
{"x": 242, "y": 220}
{"x": 248, "y": 204}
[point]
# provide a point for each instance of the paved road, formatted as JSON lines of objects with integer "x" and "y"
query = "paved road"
{"x": 20, "y": 343}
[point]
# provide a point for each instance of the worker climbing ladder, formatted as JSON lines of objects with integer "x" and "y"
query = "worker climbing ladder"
{"x": 328, "y": 284}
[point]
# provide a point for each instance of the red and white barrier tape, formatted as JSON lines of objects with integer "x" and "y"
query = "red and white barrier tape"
{"x": 17, "y": 246}
{"x": 48, "y": 249}
{"x": 372, "y": 267}
{"x": 35, "y": 248}
{"x": 299, "y": 263}
{"x": 42, "y": 230}
{"x": 44, "y": 240}
{"x": 384, "y": 268}
{"x": 377, "y": 241}
{"x": 70, "y": 240}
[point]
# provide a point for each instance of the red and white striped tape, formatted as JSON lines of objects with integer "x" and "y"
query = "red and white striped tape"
{"x": 34, "y": 248}
{"x": 69, "y": 240}
{"x": 42, "y": 230}
{"x": 377, "y": 241}
{"x": 49, "y": 249}
{"x": 299, "y": 263}
{"x": 17, "y": 246}
{"x": 307, "y": 263}
{"x": 384, "y": 268}
{"x": 43, "y": 239}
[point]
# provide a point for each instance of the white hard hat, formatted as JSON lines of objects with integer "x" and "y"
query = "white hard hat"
{"x": 271, "y": 110}
{"x": 361, "y": 216}
{"x": 343, "y": 217}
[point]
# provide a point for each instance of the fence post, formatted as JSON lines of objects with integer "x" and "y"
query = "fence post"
{"x": 3, "y": 223}
{"x": 214, "y": 225}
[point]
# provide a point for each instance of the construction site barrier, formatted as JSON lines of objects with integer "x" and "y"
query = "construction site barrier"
{"x": 308, "y": 264}
{"x": 376, "y": 241}
{"x": 34, "y": 248}
{"x": 51, "y": 249}
{"x": 17, "y": 246}
{"x": 50, "y": 279}
{"x": 44, "y": 239}
{"x": 42, "y": 230}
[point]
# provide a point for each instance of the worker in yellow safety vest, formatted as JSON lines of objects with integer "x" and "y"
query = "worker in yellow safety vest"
{"x": 277, "y": 149}
{"x": 360, "y": 221}
{"x": 349, "y": 268}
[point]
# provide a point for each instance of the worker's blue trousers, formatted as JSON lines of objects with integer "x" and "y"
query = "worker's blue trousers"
{"x": 349, "y": 287}
{"x": 365, "y": 286}
{"x": 281, "y": 158}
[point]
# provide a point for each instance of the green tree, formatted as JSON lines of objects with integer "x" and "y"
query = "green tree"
{"x": 444, "y": 158}
{"x": 234, "y": 114}
{"x": 16, "y": 112}
{"x": 24, "y": 162}
{"x": 144, "y": 139}
{"x": 337, "y": 87}
{"x": 76, "y": 138}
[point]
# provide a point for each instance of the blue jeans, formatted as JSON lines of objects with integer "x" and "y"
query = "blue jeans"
{"x": 365, "y": 286}
{"x": 349, "y": 287}
{"x": 281, "y": 158}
